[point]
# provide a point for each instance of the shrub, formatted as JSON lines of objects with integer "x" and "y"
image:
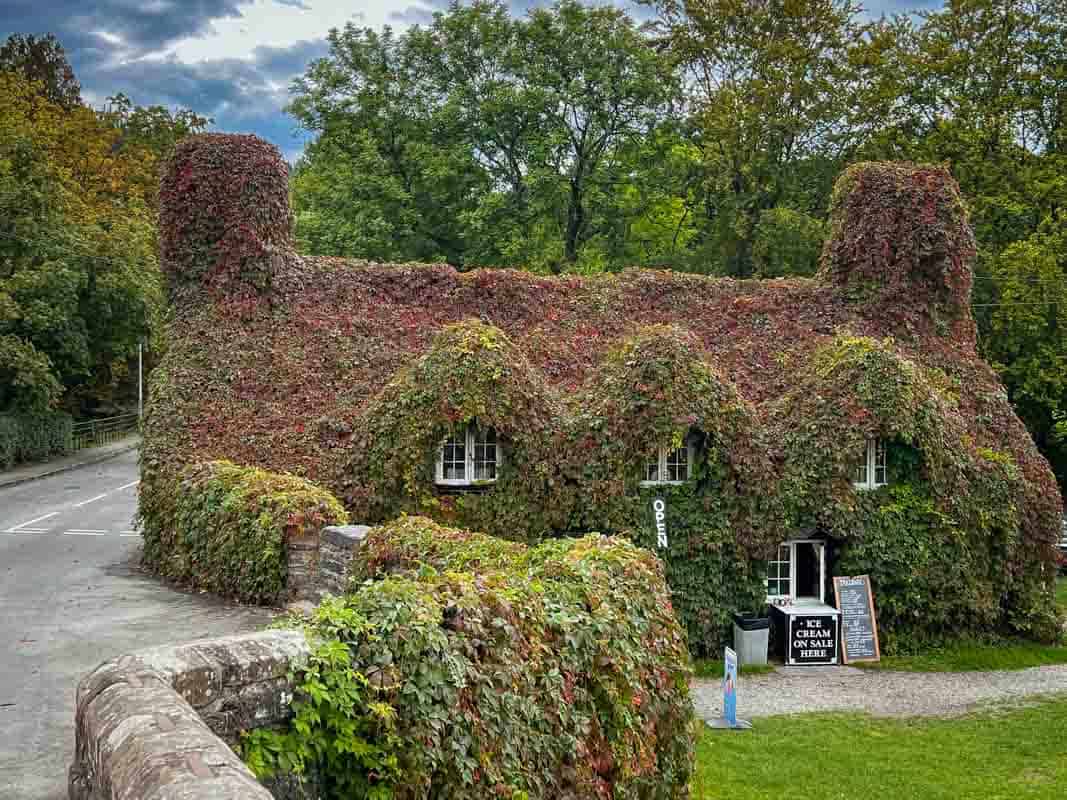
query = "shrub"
{"x": 9, "y": 434}
{"x": 468, "y": 667}
{"x": 224, "y": 527}
{"x": 33, "y": 437}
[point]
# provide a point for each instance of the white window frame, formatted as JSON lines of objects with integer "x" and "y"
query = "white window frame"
{"x": 661, "y": 463}
{"x": 471, "y": 439}
{"x": 791, "y": 547}
{"x": 875, "y": 462}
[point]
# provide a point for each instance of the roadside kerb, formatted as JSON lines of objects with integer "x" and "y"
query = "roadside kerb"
{"x": 92, "y": 456}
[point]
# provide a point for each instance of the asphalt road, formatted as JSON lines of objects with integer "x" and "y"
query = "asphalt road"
{"x": 71, "y": 596}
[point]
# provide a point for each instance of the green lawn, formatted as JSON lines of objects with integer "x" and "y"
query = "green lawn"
{"x": 975, "y": 656}
{"x": 712, "y": 668}
{"x": 1017, "y": 754}
{"x": 1061, "y": 593}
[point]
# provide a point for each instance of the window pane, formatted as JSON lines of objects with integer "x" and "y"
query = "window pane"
{"x": 860, "y": 475}
{"x": 678, "y": 464}
{"x": 879, "y": 464}
{"x": 652, "y": 471}
{"x": 485, "y": 455}
{"x": 454, "y": 458}
{"x": 778, "y": 573}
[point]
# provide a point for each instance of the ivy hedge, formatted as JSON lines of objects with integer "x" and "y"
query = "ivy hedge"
{"x": 225, "y": 527}
{"x": 351, "y": 374}
{"x": 33, "y": 437}
{"x": 463, "y": 666}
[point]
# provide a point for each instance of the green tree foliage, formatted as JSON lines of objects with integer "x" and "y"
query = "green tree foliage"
{"x": 153, "y": 131}
{"x": 79, "y": 271}
{"x": 480, "y": 139}
{"x": 1028, "y": 330}
{"x": 787, "y": 242}
{"x": 981, "y": 85}
{"x": 770, "y": 87}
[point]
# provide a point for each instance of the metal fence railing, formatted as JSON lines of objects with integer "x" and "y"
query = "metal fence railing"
{"x": 94, "y": 432}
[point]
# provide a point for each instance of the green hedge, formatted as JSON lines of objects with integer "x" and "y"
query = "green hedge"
{"x": 33, "y": 437}
{"x": 224, "y": 527}
{"x": 464, "y": 666}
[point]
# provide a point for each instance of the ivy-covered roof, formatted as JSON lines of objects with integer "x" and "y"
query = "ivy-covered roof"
{"x": 347, "y": 372}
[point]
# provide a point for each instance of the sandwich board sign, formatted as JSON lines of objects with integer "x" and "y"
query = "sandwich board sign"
{"x": 859, "y": 627}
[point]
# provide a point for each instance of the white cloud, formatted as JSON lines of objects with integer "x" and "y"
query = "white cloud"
{"x": 275, "y": 23}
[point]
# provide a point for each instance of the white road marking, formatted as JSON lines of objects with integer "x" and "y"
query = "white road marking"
{"x": 30, "y": 522}
{"x": 92, "y": 499}
{"x": 22, "y": 527}
{"x": 105, "y": 494}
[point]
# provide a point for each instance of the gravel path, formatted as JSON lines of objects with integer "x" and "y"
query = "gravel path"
{"x": 797, "y": 690}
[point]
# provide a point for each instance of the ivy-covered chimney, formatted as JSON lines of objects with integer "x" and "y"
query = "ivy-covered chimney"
{"x": 224, "y": 214}
{"x": 900, "y": 243}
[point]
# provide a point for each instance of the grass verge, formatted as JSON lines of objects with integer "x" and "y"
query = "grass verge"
{"x": 712, "y": 668}
{"x": 975, "y": 657}
{"x": 1020, "y": 753}
{"x": 971, "y": 656}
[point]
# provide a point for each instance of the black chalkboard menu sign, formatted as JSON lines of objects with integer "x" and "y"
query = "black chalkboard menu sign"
{"x": 859, "y": 628}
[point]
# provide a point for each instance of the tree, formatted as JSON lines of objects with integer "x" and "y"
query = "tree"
{"x": 480, "y": 138}
{"x": 1028, "y": 332}
{"x": 770, "y": 88}
{"x": 149, "y": 135}
{"x": 79, "y": 277}
{"x": 981, "y": 85}
{"x": 45, "y": 62}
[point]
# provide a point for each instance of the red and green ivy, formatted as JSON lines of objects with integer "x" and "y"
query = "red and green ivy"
{"x": 349, "y": 374}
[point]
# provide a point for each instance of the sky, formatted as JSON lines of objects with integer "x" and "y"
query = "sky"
{"x": 231, "y": 60}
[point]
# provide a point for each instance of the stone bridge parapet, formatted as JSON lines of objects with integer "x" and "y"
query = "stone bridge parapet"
{"x": 156, "y": 724}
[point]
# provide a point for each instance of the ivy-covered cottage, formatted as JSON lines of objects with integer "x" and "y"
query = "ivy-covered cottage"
{"x": 795, "y": 429}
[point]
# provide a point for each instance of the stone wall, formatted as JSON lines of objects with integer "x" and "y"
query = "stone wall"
{"x": 319, "y": 565}
{"x": 158, "y": 723}
{"x": 155, "y": 724}
{"x": 337, "y": 546}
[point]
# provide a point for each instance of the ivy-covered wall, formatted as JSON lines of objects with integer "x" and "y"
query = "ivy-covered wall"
{"x": 350, "y": 375}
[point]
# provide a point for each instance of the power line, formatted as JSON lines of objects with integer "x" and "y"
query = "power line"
{"x": 112, "y": 260}
{"x": 1013, "y": 305}
{"x": 1038, "y": 281}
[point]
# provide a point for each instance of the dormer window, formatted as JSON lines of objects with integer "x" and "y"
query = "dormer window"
{"x": 469, "y": 456}
{"x": 672, "y": 466}
{"x": 871, "y": 472}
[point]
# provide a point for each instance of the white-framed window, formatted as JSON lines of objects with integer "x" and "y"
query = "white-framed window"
{"x": 871, "y": 472}
{"x": 469, "y": 456}
{"x": 672, "y": 466}
{"x": 779, "y": 574}
{"x": 797, "y": 573}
